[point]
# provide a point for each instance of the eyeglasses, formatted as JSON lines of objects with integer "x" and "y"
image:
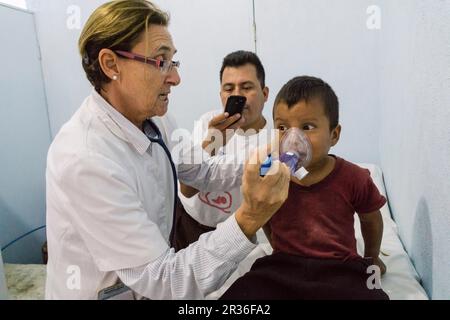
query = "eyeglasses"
{"x": 165, "y": 66}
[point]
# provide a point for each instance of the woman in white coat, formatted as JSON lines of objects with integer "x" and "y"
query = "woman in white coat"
{"x": 111, "y": 182}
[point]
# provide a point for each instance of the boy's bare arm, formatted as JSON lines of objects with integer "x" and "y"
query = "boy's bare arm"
{"x": 268, "y": 232}
{"x": 372, "y": 232}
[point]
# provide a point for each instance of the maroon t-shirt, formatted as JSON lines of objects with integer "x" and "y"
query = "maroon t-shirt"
{"x": 318, "y": 221}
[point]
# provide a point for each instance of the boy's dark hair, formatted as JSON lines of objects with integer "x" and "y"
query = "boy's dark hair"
{"x": 240, "y": 58}
{"x": 305, "y": 88}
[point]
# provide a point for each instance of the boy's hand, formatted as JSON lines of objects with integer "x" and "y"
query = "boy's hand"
{"x": 372, "y": 232}
{"x": 378, "y": 262}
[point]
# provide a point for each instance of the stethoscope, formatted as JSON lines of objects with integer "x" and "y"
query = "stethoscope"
{"x": 152, "y": 132}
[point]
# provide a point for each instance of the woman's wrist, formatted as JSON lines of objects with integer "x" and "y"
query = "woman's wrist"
{"x": 248, "y": 225}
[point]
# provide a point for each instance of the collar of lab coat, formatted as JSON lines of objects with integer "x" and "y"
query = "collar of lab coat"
{"x": 118, "y": 124}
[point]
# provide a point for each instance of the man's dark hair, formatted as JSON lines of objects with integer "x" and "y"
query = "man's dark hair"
{"x": 240, "y": 58}
{"x": 305, "y": 88}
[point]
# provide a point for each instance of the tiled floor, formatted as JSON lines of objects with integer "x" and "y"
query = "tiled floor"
{"x": 25, "y": 281}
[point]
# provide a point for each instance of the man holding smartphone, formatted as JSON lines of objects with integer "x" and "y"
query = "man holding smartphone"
{"x": 242, "y": 77}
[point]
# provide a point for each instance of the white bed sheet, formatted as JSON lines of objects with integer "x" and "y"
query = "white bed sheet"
{"x": 401, "y": 281}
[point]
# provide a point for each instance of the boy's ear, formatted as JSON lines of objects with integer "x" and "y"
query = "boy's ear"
{"x": 335, "y": 134}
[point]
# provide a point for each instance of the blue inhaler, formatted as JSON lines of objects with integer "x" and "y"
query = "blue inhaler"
{"x": 265, "y": 166}
{"x": 295, "y": 152}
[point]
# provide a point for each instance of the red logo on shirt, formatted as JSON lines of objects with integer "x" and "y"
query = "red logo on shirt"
{"x": 221, "y": 201}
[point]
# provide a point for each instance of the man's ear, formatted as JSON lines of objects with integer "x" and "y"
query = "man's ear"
{"x": 266, "y": 93}
{"x": 109, "y": 63}
{"x": 335, "y": 135}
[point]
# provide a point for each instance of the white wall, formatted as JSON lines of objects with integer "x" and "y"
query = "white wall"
{"x": 325, "y": 39}
{"x": 415, "y": 132}
{"x": 202, "y": 33}
{"x": 328, "y": 39}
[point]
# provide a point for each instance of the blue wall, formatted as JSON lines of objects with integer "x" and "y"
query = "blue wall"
{"x": 24, "y": 137}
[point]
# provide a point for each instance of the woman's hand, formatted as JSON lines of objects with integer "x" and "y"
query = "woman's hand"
{"x": 262, "y": 196}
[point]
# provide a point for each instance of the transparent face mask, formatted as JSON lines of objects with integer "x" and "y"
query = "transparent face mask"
{"x": 296, "y": 152}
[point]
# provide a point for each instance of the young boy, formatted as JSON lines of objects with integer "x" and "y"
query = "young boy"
{"x": 312, "y": 235}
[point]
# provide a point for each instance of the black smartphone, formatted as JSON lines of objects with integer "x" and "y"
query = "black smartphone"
{"x": 235, "y": 104}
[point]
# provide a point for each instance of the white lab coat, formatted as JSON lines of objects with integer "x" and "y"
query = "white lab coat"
{"x": 110, "y": 203}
